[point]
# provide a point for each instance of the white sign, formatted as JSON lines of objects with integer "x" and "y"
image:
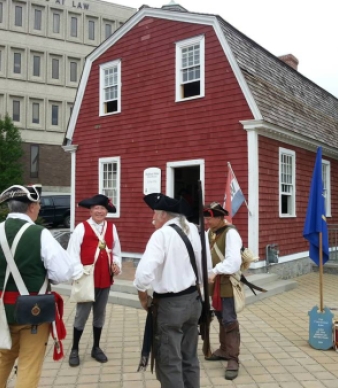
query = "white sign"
{"x": 152, "y": 180}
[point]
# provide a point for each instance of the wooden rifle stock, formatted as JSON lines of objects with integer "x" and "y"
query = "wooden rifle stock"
{"x": 206, "y": 315}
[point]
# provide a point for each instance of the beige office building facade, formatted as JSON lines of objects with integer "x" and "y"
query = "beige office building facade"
{"x": 43, "y": 44}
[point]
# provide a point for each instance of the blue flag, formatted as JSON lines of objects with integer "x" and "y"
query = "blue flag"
{"x": 315, "y": 221}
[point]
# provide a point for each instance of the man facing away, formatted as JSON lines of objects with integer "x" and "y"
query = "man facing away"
{"x": 225, "y": 245}
{"x": 166, "y": 268}
{"x": 37, "y": 255}
{"x": 95, "y": 239}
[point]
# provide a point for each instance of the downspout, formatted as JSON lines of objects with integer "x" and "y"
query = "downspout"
{"x": 72, "y": 149}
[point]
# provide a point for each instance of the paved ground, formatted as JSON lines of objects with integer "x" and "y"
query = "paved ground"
{"x": 274, "y": 353}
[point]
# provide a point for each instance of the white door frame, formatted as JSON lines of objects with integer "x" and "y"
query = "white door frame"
{"x": 184, "y": 163}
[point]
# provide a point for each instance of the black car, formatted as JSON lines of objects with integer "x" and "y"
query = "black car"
{"x": 55, "y": 209}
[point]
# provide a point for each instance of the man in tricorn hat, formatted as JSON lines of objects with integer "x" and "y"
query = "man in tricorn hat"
{"x": 225, "y": 245}
{"x": 37, "y": 255}
{"x": 95, "y": 240}
{"x": 166, "y": 267}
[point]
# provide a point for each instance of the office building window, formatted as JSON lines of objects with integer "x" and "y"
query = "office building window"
{"x": 56, "y": 23}
{"x": 16, "y": 110}
{"x": 91, "y": 30}
{"x": 18, "y": 16}
{"x": 37, "y": 19}
{"x": 0, "y": 60}
{"x": 17, "y": 63}
{"x": 108, "y": 30}
{"x": 36, "y": 66}
{"x": 1, "y": 12}
{"x": 73, "y": 27}
{"x": 36, "y": 113}
{"x": 55, "y": 115}
{"x": 73, "y": 72}
{"x": 55, "y": 68}
{"x": 34, "y": 167}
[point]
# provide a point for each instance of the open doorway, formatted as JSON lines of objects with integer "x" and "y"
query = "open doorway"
{"x": 182, "y": 180}
{"x": 186, "y": 186}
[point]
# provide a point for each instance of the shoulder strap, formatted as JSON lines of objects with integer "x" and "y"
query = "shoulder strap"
{"x": 11, "y": 266}
{"x": 215, "y": 246}
{"x": 189, "y": 248}
{"x": 9, "y": 255}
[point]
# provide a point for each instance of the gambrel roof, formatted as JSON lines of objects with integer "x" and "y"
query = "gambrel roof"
{"x": 284, "y": 97}
{"x": 277, "y": 95}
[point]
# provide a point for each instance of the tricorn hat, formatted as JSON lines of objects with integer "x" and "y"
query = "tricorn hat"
{"x": 158, "y": 201}
{"x": 98, "y": 199}
{"x": 214, "y": 209}
{"x": 21, "y": 193}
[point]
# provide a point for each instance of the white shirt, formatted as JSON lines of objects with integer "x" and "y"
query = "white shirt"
{"x": 165, "y": 265}
{"x": 59, "y": 265}
{"x": 233, "y": 260}
{"x": 75, "y": 242}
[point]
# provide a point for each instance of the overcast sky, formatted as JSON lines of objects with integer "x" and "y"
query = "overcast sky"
{"x": 308, "y": 29}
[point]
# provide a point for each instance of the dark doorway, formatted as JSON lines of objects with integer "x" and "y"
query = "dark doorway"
{"x": 186, "y": 186}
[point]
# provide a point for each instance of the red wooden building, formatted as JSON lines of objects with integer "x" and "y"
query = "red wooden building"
{"x": 187, "y": 93}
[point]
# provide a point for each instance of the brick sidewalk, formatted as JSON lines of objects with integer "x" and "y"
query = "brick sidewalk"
{"x": 274, "y": 350}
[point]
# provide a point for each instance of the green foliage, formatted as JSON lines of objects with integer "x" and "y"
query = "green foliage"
{"x": 3, "y": 212}
{"x": 11, "y": 151}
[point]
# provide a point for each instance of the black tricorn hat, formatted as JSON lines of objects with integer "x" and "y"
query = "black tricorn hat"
{"x": 21, "y": 193}
{"x": 158, "y": 201}
{"x": 214, "y": 209}
{"x": 98, "y": 199}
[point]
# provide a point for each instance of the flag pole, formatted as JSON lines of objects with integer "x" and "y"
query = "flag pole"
{"x": 229, "y": 165}
{"x": 321, "y": 271}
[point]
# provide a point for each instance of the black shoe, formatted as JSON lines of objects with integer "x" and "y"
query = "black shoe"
{"x": 98, "y": 354}
{"x": 74, "y": 359}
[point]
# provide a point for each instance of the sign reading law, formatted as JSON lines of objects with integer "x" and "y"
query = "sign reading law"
{"x": 151, "y": 180}
{"x": 74, "y": 4}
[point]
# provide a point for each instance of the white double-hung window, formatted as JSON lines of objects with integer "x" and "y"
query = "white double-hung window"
{"x": 287, "y": 183}
{"x": 110, "y": 88}
{"x": 190, "y": 68}
{"x": 326, "y": 175}
{"x": 109, "y": 181}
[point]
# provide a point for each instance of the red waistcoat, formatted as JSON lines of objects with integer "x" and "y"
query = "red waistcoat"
{"x": 102, "y": 273}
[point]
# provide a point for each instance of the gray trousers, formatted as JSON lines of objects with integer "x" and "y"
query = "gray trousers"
{"x": 176, "y": 340}
{"x": 99, "y": 310}
{"x": 228, "y": 314}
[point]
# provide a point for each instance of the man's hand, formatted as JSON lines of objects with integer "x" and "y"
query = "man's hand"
{"x": 143, "y": 297}
{"x": 211, "y": 278}
{"x": 115, "y": 269}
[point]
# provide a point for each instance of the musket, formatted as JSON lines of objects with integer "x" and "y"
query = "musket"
{"x": 206, "y": 315}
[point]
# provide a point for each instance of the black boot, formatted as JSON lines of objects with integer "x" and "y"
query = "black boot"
{"x": 74, "y": 359}
{"x": 232, "y": 339}
{"x": 97, "y": 353}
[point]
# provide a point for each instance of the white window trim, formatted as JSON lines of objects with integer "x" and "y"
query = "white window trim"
{"x": 328, "y": 187}
{"x": 293, "y": 154}
{"x": 103, "y": 67}
{"x": 116, "y": 159}
{"x": 179, "y": 46}
{"x": 184, "y": 163}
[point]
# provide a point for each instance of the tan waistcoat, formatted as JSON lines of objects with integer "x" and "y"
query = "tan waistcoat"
{"x": 220, "y": 240}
